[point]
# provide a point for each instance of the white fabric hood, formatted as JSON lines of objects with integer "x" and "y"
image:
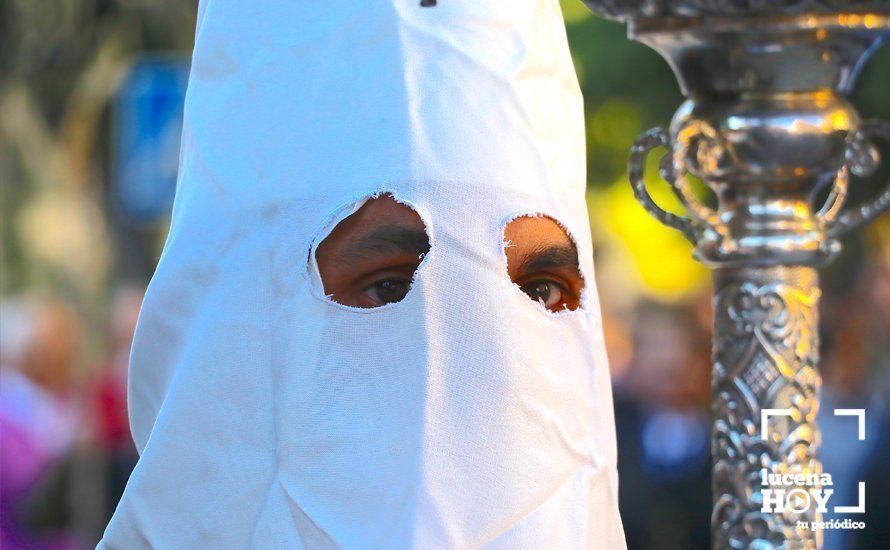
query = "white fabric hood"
{"x": 464, "y": 416}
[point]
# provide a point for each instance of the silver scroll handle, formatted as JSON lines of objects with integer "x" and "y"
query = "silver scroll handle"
{"x": 692, "y": 228}
{"x": 862, "y": 160}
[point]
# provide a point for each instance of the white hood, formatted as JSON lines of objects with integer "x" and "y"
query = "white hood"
{"x": 268, "y": 416}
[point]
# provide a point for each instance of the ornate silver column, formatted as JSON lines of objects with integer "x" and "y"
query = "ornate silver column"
{"x": 766, "y": 127}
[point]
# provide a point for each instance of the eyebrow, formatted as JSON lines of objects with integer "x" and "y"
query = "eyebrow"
{"x": 551, "y": 257}
{"x": 385, "y": 240}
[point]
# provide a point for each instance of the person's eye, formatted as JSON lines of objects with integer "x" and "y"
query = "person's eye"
{"x": 548, "y": 292}
{"x": 387, "y": 291}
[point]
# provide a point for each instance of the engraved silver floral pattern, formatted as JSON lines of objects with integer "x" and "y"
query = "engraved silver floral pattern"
{"x": 765, "y": 356}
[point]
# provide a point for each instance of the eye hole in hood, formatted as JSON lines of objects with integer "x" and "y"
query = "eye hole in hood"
{"x": 369, "y": 259}
{"x": 542, "y": 260}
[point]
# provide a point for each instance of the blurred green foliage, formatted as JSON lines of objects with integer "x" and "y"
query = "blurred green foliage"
{"x": 626, "y": 91}
{"x": 60, "y": 64}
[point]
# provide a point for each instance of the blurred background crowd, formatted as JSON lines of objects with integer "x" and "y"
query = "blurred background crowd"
{"x": 90, "y": 107}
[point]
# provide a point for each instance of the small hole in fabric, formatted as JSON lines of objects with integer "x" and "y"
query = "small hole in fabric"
{"x": 542, "y": 260}
{"x": 427, "y": 3}
{"x": 369, "y": 259}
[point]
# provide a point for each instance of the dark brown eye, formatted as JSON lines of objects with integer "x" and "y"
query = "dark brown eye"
{"x": 388, "y": 291}
{"x": 548, "y": 293}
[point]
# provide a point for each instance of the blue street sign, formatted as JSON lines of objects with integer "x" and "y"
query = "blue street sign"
{"x": 147, "y": 131}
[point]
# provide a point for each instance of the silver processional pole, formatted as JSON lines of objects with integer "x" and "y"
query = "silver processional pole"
{"x": 766, "y": 126}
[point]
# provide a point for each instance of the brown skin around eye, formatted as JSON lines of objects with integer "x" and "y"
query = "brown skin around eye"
{"x": 543, "y": 261}
{"x": 369, "y": 259}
